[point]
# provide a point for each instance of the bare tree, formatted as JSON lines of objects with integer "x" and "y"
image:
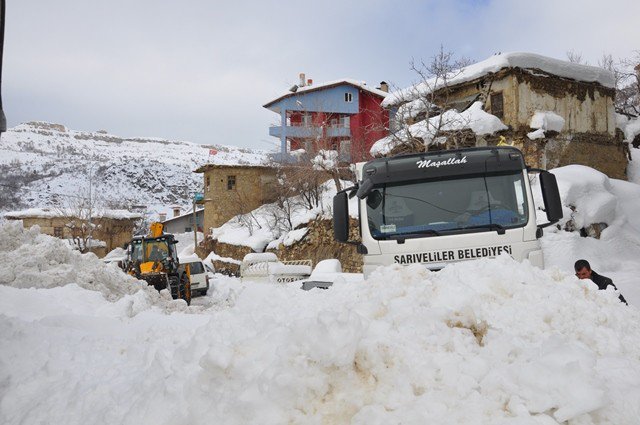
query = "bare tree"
{"x": 423, "y": 116}
{"x": 244, "y": 214}
{"x": 79, "y": 214}
{"x": 575, "y": 57}
{"x": 628, "y": 85}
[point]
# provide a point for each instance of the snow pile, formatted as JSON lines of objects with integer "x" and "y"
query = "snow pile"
{"x": 262, "y": 229}
{"x": 632, "y": 130}
{"x": 117, "y": 254}
{"x": 325, "y": 160}
{"x": 544, "y": 121}
{"x": 34, "y": 260}
{"x": 413, "y": 108}
{"x": 473, "y": 118}
{"x": 289, "y": 238}
{"x": 547, "y": 121}
{"x": 494, "y": 64}
{"x": 587, "y": 196}
{"x": 490, "y": 339}
{"x": 536, "y": 134}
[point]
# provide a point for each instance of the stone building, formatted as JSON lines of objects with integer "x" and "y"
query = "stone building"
{"x": 111, "y": 228}
{"x": 518, "y": 88}
{"x": 230, "y": 190}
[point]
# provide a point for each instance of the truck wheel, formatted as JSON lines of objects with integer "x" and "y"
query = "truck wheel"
{"x": 185, "y": 289}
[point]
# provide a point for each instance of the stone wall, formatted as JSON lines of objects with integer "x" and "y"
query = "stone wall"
{"x": 253, "y": 187}
{"x": 592, "y": 150}
{"x": 317, "y": 245}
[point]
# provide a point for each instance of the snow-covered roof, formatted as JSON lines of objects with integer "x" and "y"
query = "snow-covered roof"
{"x": 495, "y": 63}
{"x": 199, "y": 210}
{"x": 54, "y": 212}
{"x": 474, "y": 118}
{"x": 350, "y": 81}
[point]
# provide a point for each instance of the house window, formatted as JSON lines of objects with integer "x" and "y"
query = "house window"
{"x": 57, "y": 232}
{"x": 345, "y": 121}
{"x": 307, "y": 119}
{"x": 231, "y": 182}
{"x": 348, "y": 97}
{"x": 188, "y": 229}
{"x": 497, "y": 105}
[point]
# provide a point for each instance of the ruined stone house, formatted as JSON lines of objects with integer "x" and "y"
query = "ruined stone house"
{"x": 516, "y": 86}
{"x": 111, "y": 228}
{"x": 230, "y": 190}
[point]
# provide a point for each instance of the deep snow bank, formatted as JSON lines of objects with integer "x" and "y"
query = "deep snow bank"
{"x": 488, "y": 341}
{"x": 33, "y": 260}
{"x": 589, "y": 197}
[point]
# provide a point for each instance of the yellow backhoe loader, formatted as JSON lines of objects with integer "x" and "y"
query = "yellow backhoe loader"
{"x": 154, "y": 258}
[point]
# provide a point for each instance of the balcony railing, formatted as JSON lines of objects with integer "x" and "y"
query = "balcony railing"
{"x": 306, "y": 132}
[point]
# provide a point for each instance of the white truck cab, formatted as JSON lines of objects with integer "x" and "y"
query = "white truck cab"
{"x": 436, "y": 208}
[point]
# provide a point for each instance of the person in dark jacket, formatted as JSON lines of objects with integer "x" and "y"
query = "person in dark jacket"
{"x": 583, "y": 271}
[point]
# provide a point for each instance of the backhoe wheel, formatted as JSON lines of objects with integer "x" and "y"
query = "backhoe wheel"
{"x": 174, "y": 287}
{"x": 185, "y": 289}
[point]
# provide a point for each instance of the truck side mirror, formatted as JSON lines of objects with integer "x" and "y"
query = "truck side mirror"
{"x": 551, "y": 196}
{"x": 341, "y": 217}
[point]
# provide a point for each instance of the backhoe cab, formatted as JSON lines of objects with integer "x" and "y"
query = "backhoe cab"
{"x": 154, "y": 258}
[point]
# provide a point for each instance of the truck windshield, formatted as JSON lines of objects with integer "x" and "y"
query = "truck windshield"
{"x": 428, "y": 208}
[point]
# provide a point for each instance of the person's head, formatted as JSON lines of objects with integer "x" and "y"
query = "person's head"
{"x": 583, "y": 269}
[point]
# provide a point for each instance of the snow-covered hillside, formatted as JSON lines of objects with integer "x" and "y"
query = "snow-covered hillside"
{"x": 40, "y": 163}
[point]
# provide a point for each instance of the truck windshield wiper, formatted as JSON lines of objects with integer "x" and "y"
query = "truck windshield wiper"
{"x": 490, "y": 226}
{"x": 400, "y": 237}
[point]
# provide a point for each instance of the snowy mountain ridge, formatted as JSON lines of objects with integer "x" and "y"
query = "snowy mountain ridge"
{"x": 44, "y": 164}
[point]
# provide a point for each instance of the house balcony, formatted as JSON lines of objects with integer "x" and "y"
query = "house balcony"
{"x": 306, "y": 132}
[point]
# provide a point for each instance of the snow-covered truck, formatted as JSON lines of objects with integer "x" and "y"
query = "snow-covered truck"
{"x": 436, "y": 208}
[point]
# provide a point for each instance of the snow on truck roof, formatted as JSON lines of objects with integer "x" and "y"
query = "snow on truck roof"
{"x": 328, "y": 84}
{"x": 561, "y": 68}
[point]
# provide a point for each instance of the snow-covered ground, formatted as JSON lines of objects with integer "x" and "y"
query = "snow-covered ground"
{"x": 490, "y": 341}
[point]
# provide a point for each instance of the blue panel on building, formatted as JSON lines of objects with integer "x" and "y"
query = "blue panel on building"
{"x": 330, "y": 100}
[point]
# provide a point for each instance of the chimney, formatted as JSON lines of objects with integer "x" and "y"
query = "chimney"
{"x": 302, "y": 80}
{"x": 309, "y": 82}
{"x": 384, "y": 86}
{"x": 176, "y": 211}
{"x": 162, "y": 216}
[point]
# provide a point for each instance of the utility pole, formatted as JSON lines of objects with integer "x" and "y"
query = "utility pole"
{"x": 195, "y": 225}
{"x": 90, "y": 206}
{"x": 3, "y": 119}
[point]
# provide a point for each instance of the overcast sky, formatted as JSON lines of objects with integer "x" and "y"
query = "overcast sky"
{"x": 201, "y": 70}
